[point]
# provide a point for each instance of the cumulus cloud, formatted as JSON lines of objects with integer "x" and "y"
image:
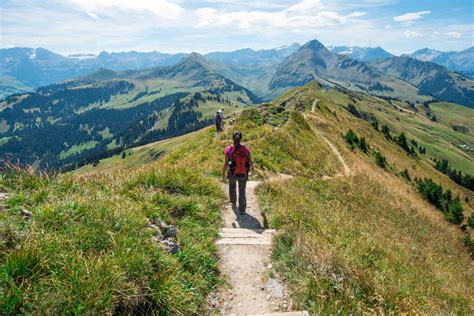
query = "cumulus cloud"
{"x": 161, "y": 8}
{"x": 412, "y": 16}
{"x": 453, "y": 34}
{"x": 303, "y": 15}
{"x": 306, "y": 6}
{"x": 412, "y": 34}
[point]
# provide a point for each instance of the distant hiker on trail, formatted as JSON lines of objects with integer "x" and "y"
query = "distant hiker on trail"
{"x": 238, "y": 166}
{"x": 221, "y": 112}
{"x": 218, "y": 121}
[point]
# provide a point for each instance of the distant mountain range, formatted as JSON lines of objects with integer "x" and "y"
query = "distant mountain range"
{"x": 430, "y": 78}
{"x": 462, "y": 61}
{"x": 109, "y": 109}
{"x": 313, "y": 61}
{"x": 24, "y": 69}
{"x": 361, "y": 53}
{"x": 249, "y": 56}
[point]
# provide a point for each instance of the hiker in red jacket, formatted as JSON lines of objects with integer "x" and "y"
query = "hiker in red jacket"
{"x": 238, "y": 166}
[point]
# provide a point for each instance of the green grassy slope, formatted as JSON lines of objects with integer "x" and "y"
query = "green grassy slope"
{"x": 440, "y": 139}
{"x": 361, "y": 244}
{"x": 9, "y": 85}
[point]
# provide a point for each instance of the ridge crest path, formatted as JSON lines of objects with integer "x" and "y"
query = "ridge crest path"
{"x": 244, "y": 245}
{"x": 346, "y": 170}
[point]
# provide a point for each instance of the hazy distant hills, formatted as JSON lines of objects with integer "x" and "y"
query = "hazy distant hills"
{"x": 462, "y": 61}
{"x": 28, "y": 68}
{"x": 24, "y": 69}
{"x": 361, "y": 53}
{"x": 249, "y": 56}
{"x": 83, "y": 119}
{"x": 33, "y": 68}
{"x": 430, "y": 78}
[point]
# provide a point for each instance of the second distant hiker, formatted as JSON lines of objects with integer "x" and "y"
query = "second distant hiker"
{"x": 218, "y": 118}
{"x": 221, "y": 112}
{"x": 237, "y": 166}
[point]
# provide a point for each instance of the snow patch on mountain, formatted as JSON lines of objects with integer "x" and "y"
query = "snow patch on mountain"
{"x": 32, "y": 53}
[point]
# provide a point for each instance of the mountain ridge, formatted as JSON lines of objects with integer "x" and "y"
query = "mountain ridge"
{"x": 365, "y": 54}
{"x": 431, "y": 78}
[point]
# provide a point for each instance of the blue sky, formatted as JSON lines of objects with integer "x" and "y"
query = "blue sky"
{"x": 91, "y": 26}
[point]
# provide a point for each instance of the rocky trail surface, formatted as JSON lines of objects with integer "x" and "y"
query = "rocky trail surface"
{"x": 244, "y": 247}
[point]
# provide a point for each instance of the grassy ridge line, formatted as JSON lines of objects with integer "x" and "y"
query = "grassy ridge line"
{"x": 371, "y": 243}
{"x": 86, "y": 248}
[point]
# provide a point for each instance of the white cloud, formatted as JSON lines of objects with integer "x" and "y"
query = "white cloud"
{"x": 161, "y": 8}
{"x": 412, "y": 16}
{"x": 412, "y": 34}
{"x": 70, "y": 26}
{"x": 92, "y": 15}
{"x": 453, "y": 34}
{"x": 306, "y": 6}
{"x": 296, "y": 18}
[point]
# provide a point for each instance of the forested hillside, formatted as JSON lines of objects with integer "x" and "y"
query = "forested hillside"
{"x": 79, "y": 121}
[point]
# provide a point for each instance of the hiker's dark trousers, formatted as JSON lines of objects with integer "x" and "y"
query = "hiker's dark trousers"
{"x": 219, "y": 126}
{"x": 242, "y": 181}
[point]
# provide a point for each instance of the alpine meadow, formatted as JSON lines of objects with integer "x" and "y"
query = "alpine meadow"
{"x": 151, "y": 162}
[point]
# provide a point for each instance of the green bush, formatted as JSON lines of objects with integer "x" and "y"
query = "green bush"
{"x": 380, "y": 160}
{"x": 352, "y": 139}
{"x": 363, "y": 145}
{"x": 469, "y": 243}
{"x": 405, "y": 174}
{"x": 386, "y": 132}
{"x": 470, "y": 221}
{"x": 454, "y": 212}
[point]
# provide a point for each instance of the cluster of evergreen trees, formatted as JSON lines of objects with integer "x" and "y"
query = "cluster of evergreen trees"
{"x": 402, "y": 141}
{"x": 451, "y": 207}
{"x": 443, "y": 200}
{"x": 359, "y": 142}
{"x": 457, "y": 176}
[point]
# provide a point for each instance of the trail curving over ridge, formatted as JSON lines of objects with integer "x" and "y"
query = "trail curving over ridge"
{"x": 346, "y": 170}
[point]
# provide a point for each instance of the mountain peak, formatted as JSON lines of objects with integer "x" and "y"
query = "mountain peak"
{"x": 102, "y": 74}
{"x": 314, "y": 44}
{"x": 195, "y": 59}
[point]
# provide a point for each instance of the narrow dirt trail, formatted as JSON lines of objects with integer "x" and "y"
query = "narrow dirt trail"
{"x": 245, "y": 245}
{"x": 245, "y": 259}
{"x": 346, "y": 171}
